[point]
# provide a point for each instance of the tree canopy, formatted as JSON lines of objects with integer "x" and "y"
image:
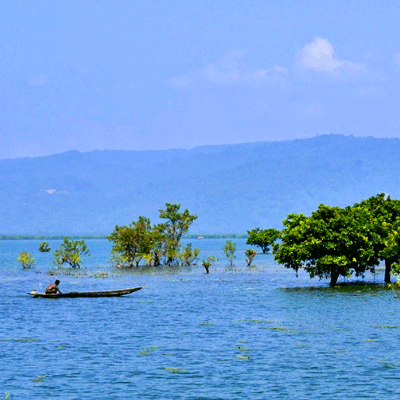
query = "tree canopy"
{"x": 262, "y": 238}
{"x": 335, "y": 241}
{"x": 158, "y": 244}
{"x": 71, "y": 252}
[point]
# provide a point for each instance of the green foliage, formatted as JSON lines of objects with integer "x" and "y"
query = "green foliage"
{"x": 26, "y": 260}
{"x": 385, "y": 217}
{"x": 189, "y": 255}
{"x": 133, "y": 242}
{"x": 154, "y": 244}
{"x": 262, "y": 238}
{"x": 332, "y": 242}
{"x": 229, "y": 250}
{"x": 250, "y": 254}
{"x": 44, "y": 247}
{"x": 176, "y": 225}
{"x": 70, "y": 252}
{"x": 207, "y": 263}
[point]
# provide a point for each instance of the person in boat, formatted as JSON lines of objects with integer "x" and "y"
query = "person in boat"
{"x": 53, "y": 288}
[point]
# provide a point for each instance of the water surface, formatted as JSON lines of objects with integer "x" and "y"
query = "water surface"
{"x": 239, "y": 332}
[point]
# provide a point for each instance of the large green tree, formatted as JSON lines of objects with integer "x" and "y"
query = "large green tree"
{"x": 132, "y": 242}
{"x": 156, "y": 244}
{"x": 332, "y": 242}
{"x": 262, "y": 238}
{"x": 384, "y": 216}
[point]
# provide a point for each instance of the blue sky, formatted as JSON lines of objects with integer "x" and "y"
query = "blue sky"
{"x": 144, "y": 75}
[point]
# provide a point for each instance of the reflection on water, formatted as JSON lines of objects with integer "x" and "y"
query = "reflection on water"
{"x": 252, "y": 333}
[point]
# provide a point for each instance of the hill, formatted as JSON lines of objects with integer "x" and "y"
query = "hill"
{"x": 232, "y": 188}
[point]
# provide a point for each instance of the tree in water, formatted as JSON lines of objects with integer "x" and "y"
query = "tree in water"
{"x": 229, "y": 250}
{"x": 250, "y": 254}
{"x": 262, "y": 238}
{"x": 207, "y": 263}
{"x": 332, "y": 242}
{"x": 44, "y": 247}
{"x": 177, "y": 224}
{"x": 26, "y": 260}
{"x": 71, "y": 252}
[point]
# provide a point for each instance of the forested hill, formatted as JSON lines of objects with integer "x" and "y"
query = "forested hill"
{"x": 232, "y": 188}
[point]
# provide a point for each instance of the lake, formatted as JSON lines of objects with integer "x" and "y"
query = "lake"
{"x": 237, "y": 333}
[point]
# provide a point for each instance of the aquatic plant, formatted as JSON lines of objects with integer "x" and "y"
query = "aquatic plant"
{"x": 176, "y": 370}
{"x": 40, "y": 378}
{"x": 281, "y": 329}
{"x": 148, "y": 350}
{"x": 242, "y": 357}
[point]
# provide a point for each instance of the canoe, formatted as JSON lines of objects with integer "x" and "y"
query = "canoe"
{"x": 105, "y": 293}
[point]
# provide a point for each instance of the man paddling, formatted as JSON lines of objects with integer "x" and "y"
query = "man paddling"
{"x": 53, "y": 288}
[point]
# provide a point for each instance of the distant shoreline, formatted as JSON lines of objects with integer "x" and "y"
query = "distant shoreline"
{"x": 61, "y": 237}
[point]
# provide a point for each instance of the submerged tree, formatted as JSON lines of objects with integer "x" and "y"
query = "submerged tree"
{"x": 384, "y": 216}
{"x": 132, "y": 242}
{"x": 332, "y": 242}
{"x": 44, "y": 247}
{"x": 250, "y": 254}
{"x": 207, "y": 263}
{"x": 26, "y": 260}
{"x": 229, "y": 250}
{"x": 262, "y": 238}
{"x": 71, "y": 252}
{"x": 155, "y": 244}
{"x": 177, "y": 224}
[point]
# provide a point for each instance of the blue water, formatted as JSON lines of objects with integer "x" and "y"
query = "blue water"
{"x": 237, "y": 333}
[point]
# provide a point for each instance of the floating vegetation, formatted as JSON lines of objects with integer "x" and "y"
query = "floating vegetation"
{"x": 242, "y": 341}
{"x": 176, "y": 370}
{"x": 371, "y": 340}
{"x": 60, "y": 347}
{"x": 243, "y": 357}
{"x": 241, "y": 348}
{"x": 384, "y": 326}
{"x": 206, "y": 323}
{"x": 19, "y": 340}
{"x": 343, "y": 287}
{"x": 281, "y": 329}
{"x": 388, "y": 364}
{"x": 101, "y": 274}
{"x": 40, "y": 378}
{"x": 6, "y": 396}
{"x": 69, "y": 272}
{"x": 254, "y": 321}
{"x": 149, "y": 350}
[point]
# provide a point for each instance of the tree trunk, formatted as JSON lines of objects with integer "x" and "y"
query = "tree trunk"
{"x": 388, "y": 268}
{"x": 334, "y": 278}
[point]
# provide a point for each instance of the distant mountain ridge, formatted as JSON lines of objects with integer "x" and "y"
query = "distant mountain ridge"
{"x": 232, "y": 188}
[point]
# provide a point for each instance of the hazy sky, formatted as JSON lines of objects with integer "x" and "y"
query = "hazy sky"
{"x": 151, "y": 74}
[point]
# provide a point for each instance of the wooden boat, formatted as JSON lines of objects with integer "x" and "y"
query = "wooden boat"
{"x": 105, "y": 293}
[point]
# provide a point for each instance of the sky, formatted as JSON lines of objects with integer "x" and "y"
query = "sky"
{"x": 154, "y": 75}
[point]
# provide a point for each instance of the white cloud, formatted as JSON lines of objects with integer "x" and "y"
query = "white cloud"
{"x": 38, "y": 80}
{"x": 230, "y": 69}
{"x": 319, "y": 56}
